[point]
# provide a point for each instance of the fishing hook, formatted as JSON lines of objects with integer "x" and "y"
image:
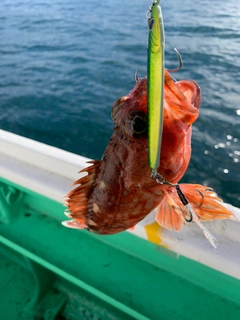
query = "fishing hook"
{"x": 202, "y": 195}
{"x": 156, "y": 176}
{"x": 136, "y": 76}
{"x": 179, "y": 60}
{"x": 184, "y": 202}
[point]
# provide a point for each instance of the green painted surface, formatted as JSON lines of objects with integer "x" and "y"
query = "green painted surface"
{"x": 60, "y": 273}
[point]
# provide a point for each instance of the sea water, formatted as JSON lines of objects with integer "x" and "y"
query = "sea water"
{"x": 64, "y": 63}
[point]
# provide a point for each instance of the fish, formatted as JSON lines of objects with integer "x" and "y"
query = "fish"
{"x": 117, "y": 191}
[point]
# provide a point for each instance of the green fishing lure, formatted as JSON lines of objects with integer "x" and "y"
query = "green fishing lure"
{"x": 155, "y": 84}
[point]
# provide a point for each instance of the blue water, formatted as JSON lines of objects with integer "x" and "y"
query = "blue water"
{"x": 64, "y": 63}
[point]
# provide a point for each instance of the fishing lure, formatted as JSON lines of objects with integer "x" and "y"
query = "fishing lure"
{"x": 155, "y": 84}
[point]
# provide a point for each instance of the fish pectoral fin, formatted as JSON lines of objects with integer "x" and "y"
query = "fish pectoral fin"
{"x": 205, "y": 202}
{"x": 169, "y": 214}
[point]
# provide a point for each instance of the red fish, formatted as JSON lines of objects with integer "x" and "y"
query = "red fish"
{"x": 118, "y": 191}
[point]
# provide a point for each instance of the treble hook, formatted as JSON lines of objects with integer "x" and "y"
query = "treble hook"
{"x": 156, "y": 176}
{"x": 136, "y": 76}
{"x": 180, "y": 62}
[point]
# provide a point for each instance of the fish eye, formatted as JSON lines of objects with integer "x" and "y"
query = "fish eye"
{"x": 136, "y": 124}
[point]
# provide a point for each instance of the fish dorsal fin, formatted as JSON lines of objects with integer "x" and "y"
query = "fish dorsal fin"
{"x": 77, "y": 200}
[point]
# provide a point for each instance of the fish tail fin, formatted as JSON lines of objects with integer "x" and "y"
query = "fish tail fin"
{"x": 204, "y": 201}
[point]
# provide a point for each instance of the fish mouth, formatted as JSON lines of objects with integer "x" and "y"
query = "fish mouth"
{"x": 137, "y": 97}
{"x": 191, "y": 91}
